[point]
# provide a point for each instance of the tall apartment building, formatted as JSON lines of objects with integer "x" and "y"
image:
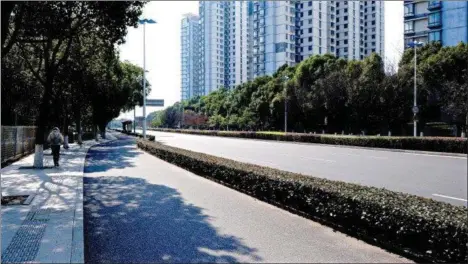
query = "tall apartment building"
{"x": 190, "y": 61}
{"x": 287, "y": 32}
{"x": 443, "y": 21}
{"x": 241, "y": 40}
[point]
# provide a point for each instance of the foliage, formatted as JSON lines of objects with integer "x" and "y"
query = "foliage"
{"x": 63, "y": 55}
{"x": 418, "y": 227}
{"x": 438, "y": 144}
{"x": 326, "y": 93}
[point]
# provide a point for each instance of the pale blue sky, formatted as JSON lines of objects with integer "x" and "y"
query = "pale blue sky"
{"x": 163, "y": 45}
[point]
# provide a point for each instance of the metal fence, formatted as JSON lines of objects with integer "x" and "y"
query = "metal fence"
{"x": 17, "y": 141}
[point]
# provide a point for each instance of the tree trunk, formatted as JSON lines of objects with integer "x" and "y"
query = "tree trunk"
{"x": 65, "y": 133}
{"x": 95, "y": 132}
{"x": 78, "y": 125}
{"x": 41, "y": 124}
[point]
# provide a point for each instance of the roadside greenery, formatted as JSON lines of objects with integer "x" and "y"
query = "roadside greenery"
{"x": 325, "y": 93}
{"x": 437, "y": 144}
{"x": 420, "y": 228}
{"x": 60, "y": 65}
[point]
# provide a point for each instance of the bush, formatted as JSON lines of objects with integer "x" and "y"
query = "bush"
{"x": 417, "y": 227}
{"x": 149, "y": 137}
{"x": 438, "y": 144}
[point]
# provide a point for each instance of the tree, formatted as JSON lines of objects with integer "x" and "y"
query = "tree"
{"x": 45, "y": 41}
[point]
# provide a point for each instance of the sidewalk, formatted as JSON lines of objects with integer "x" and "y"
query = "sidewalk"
{"x": 50, "y": 228}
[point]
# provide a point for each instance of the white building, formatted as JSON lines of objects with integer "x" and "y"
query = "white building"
{"x": 241, "y": 40}
{"x": 359, "y": 29}
{"x": 189, "y": 50}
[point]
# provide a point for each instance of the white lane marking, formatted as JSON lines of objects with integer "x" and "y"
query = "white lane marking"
{"x": 362, "y": 156}
{"x": 317, "y": 159}
{"x": 435, "y": 155}
{"x": 450, "y": 197}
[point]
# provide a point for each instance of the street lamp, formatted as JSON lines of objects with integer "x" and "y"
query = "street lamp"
{"x": 144, "y": 22}
{"x": 285, "y": 79}
{"x": 414, "y": 45}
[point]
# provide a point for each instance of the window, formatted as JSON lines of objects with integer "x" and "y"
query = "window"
{"x": 337, "y": 27}
{"x": 345, "y": 25}
{"x": 310, "y": 30}
{"x": 345, "y": 41}
{"x": 346, "y": 49}
{"x": 337, "y": 19}
{"x": 310, "y": 3}
{"x": 434, "y": 36}
{"x": 409, "y": 26}
{"x": 310, "y": 21}
{"x": 346, "y": 10}
{"x": 373, "y": 22}
{"x": 310, "y": 47}
{"x": 338, "y": 35}
{"x": 345, "y": 18}
{"x": 309, "y": 13}
{"x": 338, "y": 12}
{"x": 310, "y": 39}
{"x": 434, "y": 19}
{"x": 346, "y": 34}
{"x": 337, "y": 42}
{"x": 373, "y": 36}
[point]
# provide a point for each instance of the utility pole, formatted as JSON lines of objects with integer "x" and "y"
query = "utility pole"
{"x": 285, "y": 105}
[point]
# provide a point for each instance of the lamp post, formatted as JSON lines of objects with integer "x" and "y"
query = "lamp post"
{"x": 414, "y": 45}
{"x": 144, "y": 22}
{"x": 285, "y": 78}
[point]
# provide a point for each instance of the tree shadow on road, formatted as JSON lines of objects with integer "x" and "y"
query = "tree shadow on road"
{"x": 130, "y": 220}
{"x": 111, "y": 155}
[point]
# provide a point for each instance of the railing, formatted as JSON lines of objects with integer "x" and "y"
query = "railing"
{"x": 17, "y": 141}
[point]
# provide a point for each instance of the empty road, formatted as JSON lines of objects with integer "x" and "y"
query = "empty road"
{"x": 442, "y": 178}
{"x": 140, "y": 209}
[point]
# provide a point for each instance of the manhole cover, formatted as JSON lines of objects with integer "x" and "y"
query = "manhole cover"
{"x": 14, "y": 200}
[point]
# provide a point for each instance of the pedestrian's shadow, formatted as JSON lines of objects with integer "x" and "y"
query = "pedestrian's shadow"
{"x": 127, "y": 220}
{"x": 111, "y": 155}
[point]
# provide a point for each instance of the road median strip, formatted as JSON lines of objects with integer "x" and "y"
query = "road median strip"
{"x": 416, "y": 227}
{"x": 430, "y": 144}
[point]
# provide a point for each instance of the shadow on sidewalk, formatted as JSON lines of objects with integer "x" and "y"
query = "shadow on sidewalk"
{"x": 127, "y": 220}
{"x": 111, "y": 155}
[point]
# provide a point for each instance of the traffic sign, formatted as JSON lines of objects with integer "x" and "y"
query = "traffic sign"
{"x": 415, "y": 109}
{"x": 154, "y": 102}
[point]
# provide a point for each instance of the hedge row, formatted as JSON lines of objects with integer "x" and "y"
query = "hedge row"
{"x": 416, "y": 227}
{"x": 149, "y": 137}
{"x": 438, "y": 144}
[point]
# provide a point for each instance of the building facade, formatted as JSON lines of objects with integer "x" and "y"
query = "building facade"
{"x": 241, "y": 40}
{"x": 190, "y": 59}
{"x": 287, "y": 32}
{"x": 443, "y": 21}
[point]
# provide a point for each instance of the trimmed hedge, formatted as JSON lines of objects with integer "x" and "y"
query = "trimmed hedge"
{"x": 149, "y": 137}
{"x": 438, "y": 144}
{"x": 417, "y": 227}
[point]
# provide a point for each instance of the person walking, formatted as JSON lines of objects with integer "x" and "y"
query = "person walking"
{"x": 55, "y": 139}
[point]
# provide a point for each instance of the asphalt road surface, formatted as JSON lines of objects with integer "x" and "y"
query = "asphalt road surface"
{"x": 433, "y": 176}
{"x": 139, "y": 209}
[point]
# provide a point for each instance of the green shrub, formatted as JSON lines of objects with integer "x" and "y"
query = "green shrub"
{"x": 417, "y": 227}
{"x": 438, "y": 144}
{"x": 148, "y": 137}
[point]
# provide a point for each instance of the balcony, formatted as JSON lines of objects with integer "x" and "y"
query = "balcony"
{"x": 433, "y": 5}
{"x": 434, "y": 24}
{"x": 409, "y": 31}
{"x": 409, "y": 14}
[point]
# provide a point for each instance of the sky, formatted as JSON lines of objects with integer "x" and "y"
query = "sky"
{"x": 163, "y": 46}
